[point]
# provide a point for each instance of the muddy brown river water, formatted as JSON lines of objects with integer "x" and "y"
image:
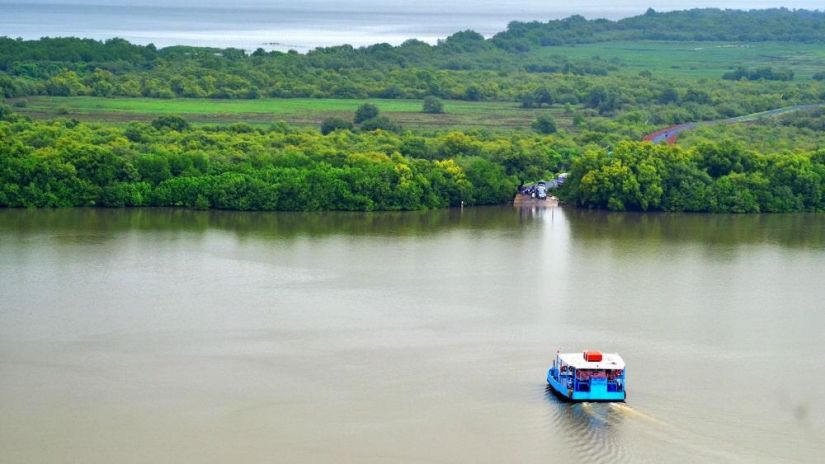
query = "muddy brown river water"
{"x": 169, "y": 336}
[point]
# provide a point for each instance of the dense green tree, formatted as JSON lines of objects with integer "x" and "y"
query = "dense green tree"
{"x": 432, "y": 105}
{"x": 767, "y": 73}
{"x": 329, "y": 125}
{"x": 722, "y": 159}
{"x": 603, "y": 99}
{"x": 65, "y": 163}
{"x": 688, "y": 25}
{"x": 365, "y": 112}
{"x": 669, "y": 95}
{"x": 175, "y": 123}
{"x": 544, "y": 124}
{"x": 473, "y": 93}
{"x": 639, "y": 177}
{"x": 380, "y": 122}
{"x": 61, "y": 163}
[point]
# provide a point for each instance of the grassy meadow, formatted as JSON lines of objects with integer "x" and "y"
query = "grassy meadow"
{"x": 296, "y": 111}
{"x": 685, "y": 61}
{"x": 700, "y": 59}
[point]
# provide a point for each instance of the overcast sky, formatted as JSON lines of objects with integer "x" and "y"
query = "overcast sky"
{"x": 459, "y": 5}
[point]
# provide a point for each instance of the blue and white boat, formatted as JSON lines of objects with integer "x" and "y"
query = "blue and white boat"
{"x": 588, "y": 376}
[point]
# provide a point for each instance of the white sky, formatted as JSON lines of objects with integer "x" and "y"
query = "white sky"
{"x": 458, "y": 5}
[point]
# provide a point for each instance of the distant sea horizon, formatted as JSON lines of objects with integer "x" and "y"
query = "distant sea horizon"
{"x": 281, "y": 25}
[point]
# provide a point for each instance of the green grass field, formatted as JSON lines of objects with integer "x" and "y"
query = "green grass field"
{"x": 701, "y": 59}
{"x": 693, "y": 60}
{"x": 297, "y": 111}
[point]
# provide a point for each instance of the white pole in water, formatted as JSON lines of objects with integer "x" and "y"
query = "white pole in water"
{"x": 462, "y": 204}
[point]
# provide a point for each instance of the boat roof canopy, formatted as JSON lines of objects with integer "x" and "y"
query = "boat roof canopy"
{"x": 577, "y": 360}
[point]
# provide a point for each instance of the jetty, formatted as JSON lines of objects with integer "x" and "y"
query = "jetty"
{"x": 526, "y": 201}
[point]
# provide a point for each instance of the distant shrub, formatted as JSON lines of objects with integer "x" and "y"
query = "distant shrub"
{"x": 473, "y": 93}
{"x": 134, "y": 132}
{"x": 333, "y": 124}
{"x": 380, "y": 122}
{"x": 766, "y": 73}
{"x": 175, "y": 123}
{"x": 241, "y": 128}
{"x": 365, "y": 112}
{"x": 432, "y": 105}
{"x": 544, "y": 124}
{"x": 537, "y": 98}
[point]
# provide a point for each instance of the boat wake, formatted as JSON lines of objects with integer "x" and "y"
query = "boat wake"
{"x": 607, "y": 432}
{"x": 590, "y": 429}
{"x": 678, "y": 440}
{"x": 629, "y": 411}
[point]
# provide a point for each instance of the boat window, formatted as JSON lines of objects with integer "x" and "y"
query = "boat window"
{"x": 614, "y": 374}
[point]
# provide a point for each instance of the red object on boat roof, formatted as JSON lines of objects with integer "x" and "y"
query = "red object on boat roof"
{"x": 592, "y": 356}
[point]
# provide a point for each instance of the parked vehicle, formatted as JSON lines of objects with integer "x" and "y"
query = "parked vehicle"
{"x": 541, "y": 191}
{"x": 561, "y": 178}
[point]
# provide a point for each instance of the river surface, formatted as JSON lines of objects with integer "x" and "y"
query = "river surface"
{"x": 172, "y": 336}
{"x": 284, "y": 25}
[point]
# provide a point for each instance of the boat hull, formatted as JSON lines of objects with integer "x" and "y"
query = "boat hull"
{"x": 596, "y": 393}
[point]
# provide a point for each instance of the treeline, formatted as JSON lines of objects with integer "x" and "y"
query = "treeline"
{"x": 167, "y": 163}
{"x": 645, "y": 97}
{"x": 708, "y": 24}
{"x": 766, "y": 73}
{"x": 710, "y": 177}
{"x": 465, "y": 50}
{"x": 464, "y": 66}
{"x": 66, "y": 163}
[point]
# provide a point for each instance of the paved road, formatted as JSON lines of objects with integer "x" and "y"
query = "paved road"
{"x": 670, "y": 134}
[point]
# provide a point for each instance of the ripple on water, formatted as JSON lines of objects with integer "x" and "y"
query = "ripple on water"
{"x": 591, "y": 429}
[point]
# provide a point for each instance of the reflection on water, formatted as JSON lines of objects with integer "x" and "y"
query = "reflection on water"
{"x": 591, "y": 429}
{"x": 789, "y": 230}
{"x": 261, "y": 224}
